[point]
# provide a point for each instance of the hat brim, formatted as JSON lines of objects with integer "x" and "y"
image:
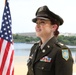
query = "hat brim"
{"x": 35, "y": 19}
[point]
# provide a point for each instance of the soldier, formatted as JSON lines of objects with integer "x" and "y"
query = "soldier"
{"x": 48, "y": 56}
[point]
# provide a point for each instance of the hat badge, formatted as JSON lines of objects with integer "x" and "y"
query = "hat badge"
{"x": 40, "y": 9}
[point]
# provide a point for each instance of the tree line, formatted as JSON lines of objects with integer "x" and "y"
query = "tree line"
{"x": 68, "y": 40}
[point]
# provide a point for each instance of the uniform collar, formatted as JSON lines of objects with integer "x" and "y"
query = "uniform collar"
{"x": 42, "y": 45}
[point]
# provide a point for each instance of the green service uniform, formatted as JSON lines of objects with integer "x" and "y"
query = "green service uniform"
{"x": 53, "y": 59}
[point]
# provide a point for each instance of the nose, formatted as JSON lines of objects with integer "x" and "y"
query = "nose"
{"x": 37, "y": 25}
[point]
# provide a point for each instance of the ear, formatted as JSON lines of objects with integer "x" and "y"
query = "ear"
{"x": 55, "y": 26}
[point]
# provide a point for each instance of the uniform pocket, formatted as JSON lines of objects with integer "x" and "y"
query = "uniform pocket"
{"x": 46, "y": 66}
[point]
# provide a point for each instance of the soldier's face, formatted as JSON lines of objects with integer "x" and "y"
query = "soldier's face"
{"x": 44, "y": 28}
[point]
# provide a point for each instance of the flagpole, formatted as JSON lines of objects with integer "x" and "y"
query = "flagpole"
{"x": 5, "y": 2}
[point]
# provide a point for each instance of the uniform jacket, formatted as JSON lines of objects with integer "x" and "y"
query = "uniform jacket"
{"x": 54, "y": 59}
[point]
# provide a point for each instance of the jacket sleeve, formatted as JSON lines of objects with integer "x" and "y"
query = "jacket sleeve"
{"x": 63, "y": 62}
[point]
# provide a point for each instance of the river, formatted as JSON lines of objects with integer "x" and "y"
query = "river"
{"x": 23, "y": 49}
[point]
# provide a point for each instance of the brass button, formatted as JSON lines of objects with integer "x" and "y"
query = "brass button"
{"x": 42, "y": 68}
{"x": 48, "y": 46}
{"x": 43, "y": 50}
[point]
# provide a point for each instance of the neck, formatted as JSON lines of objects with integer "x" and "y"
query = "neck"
{"x": 46, "y": 38}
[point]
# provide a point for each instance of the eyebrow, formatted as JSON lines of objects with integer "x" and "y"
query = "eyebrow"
{"x": 43, "y": 20}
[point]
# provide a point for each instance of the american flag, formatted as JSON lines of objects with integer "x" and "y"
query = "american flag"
{"x": 6, "y": 43}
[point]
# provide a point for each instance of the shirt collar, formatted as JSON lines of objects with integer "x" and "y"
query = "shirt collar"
{"x": 42, "y": 45}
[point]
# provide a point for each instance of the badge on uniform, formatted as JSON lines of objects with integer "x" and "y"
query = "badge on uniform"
{"x": 65, "y": 54}
{"x": 45, "y": 59}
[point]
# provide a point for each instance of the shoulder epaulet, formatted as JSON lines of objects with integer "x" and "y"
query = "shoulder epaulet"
{"x": 64, "y": 50}
{"x": 61, "y": 45}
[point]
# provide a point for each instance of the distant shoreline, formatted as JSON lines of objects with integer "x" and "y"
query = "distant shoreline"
{"x": 70, "y": 46}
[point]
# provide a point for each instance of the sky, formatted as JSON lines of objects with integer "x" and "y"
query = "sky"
{"x": 23, "y": 11}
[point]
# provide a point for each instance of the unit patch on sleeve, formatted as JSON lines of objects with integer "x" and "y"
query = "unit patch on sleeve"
{"x": 65, "y": 54}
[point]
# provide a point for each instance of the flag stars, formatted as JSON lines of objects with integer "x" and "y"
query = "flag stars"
{"x": 5, "y": 18}
{"x": 6, "y": 7}
{"x": 11, "y": 40}
{"x": 8, "y": 27}
{"x": 4, "y": 13}
{"x": 7, "y": 11}
{"x": 8, "y": 16}
{"x": 9, "y": 31}
{"x": 0, "y": 31}
{"x": 9, "y": 20}
{"x": 6, "y": 37}
{"x": 10, "y": 36}
{"x": 3, "y": 24}
{"x": 1, "y": 35}
{"x": 4, "y": 29}
{"x": 5, "y": 33}
{"x": 6, "y": 22}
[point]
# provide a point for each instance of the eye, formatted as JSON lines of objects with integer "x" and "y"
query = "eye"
{"x": 41, "y": 23}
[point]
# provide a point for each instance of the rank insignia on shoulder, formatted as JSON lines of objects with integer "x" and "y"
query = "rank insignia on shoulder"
{"x": 65, "y": 54}
{"x": 60, "y": 43}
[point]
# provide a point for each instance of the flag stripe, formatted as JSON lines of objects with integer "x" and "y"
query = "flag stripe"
{"x": 12, "y": 61}
{"x": 12, "y": 66}
{"x": 9, "y": 71}
{"x": 5, "y": 56}
{"x": 1, "y": 44}
{"x": 7, "y": 61}
{"x": 4, "y": 42}
{"x": 12, "y": 72}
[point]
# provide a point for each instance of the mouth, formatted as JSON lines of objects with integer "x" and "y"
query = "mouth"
{"x": 38, "y": 30}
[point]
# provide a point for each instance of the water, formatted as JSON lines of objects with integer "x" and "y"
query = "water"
{"x": 23, "y": 49}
